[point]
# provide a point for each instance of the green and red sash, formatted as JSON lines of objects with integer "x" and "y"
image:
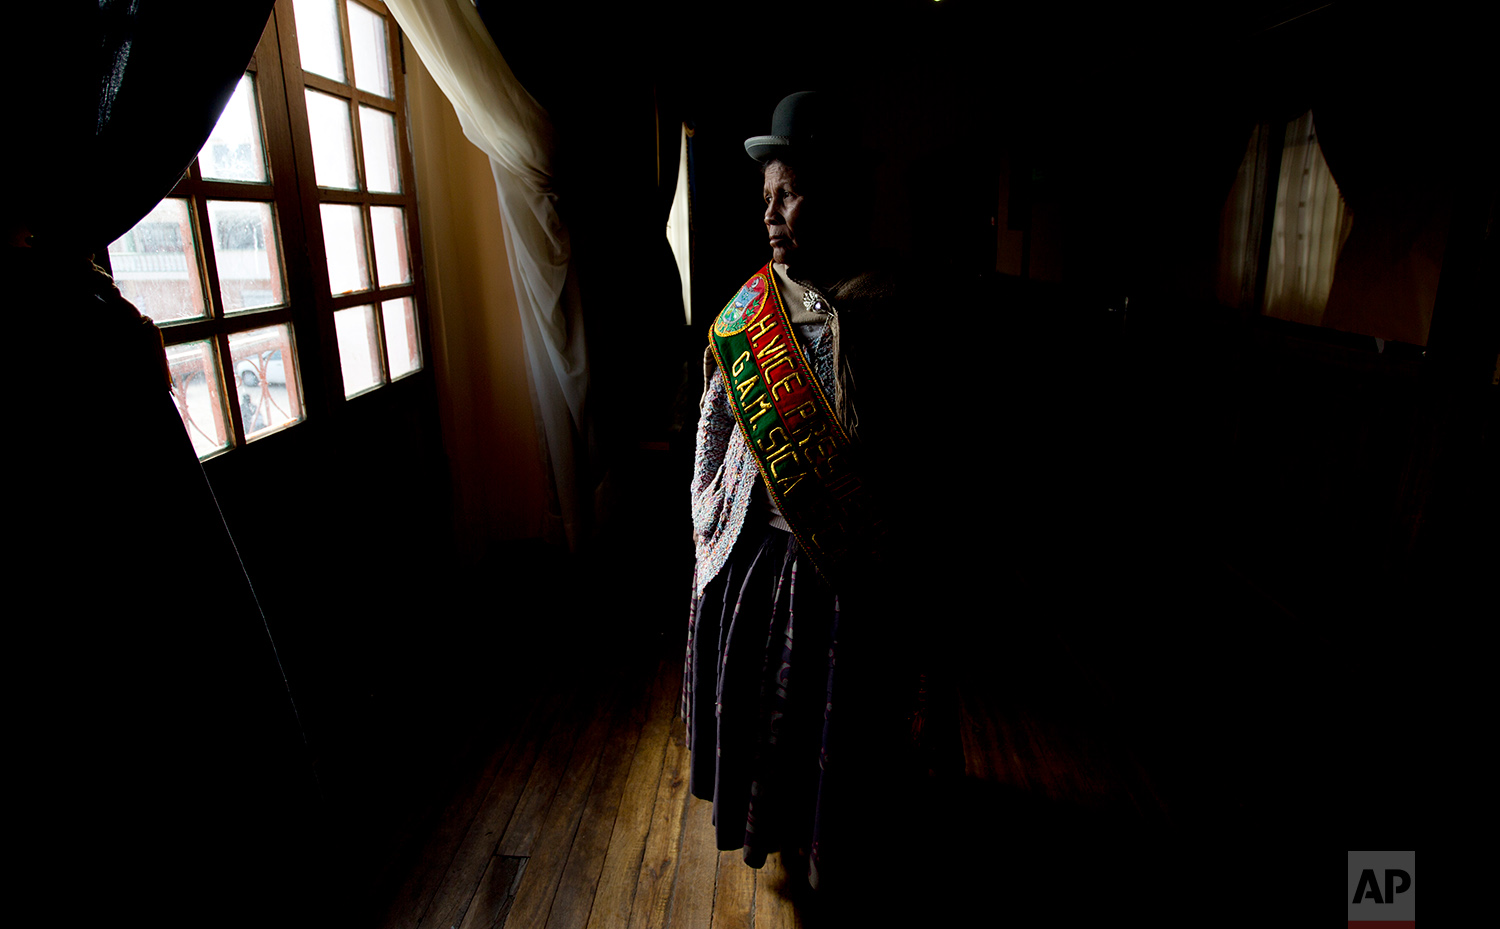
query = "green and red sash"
{"x": 804, "y": 454}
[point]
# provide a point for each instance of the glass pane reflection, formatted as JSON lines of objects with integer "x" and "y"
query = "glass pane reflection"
{"x": 359, "y": 349}
{"x": 319, "y": 44}
{"x": 392, "y": 263}
{"x": 155, "y": 264}
{"x": 234, "y": 151}
{"x": 332, "y": 141}
{"x": 265, "y": 379}
{"x": 372, "y": 65}
{"x": 344, "y": 245}
{"x": 401, "y": 346}
{"x": 377, "y": 129}
{"x": 246, "y": 254}
{"x": 196, "y": 391}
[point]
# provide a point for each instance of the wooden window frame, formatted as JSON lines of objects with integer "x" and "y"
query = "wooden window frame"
{"x": 312, "y": 196}
{"x": 314, "y": 370}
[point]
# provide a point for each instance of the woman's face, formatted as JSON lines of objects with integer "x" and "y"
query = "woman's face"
{"x": 785, "y": 216}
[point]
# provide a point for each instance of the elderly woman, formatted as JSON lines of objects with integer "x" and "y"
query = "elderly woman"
{"x": 787, "y": 730}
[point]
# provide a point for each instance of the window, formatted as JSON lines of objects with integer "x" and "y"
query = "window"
{"x": 283, "y": 269}
{"x": 1293, "y": 248}
{"x": 353, "y": 134}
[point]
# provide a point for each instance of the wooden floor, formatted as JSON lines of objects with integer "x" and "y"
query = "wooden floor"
{"x": 1156, "y": 742}
{"x": 576, "y": 815}
{"x": 581, "y": 818}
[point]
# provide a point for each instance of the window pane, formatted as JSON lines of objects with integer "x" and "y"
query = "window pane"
{"x": 344, "y": 244}
{"x": 156, "y": 264}
{"x": 401, "y": 336}
{"x": 318, "y": 41}
{"x": 332, "y": 141}
{"x": 392, "y": 264}
{"x": 196, "y": 391}
{"x": 233, "y": 151}
{"x": 359, "y": 349}
{"x": 265, "y": 378}
{"x": 378, "y": 130}
{"x": 246, "y": 253}
{"x": 372, "y": 66}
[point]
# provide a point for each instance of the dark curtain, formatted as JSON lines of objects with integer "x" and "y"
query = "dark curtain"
{"x": 1142, "y": 145}
{"x": 160, "y": 768}
{"x": 563, "y": 74}
{"x": 1388, "y": 98}
{"x": 1392, "y": 122}
{"x": 114, "y": 98}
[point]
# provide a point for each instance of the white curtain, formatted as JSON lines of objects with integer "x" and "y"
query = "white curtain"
{"x": 1310, "y": 225}
{"x": 509, "y": 126}
{"x": 1237, "y": 254}
{"x": 678, "y": 229}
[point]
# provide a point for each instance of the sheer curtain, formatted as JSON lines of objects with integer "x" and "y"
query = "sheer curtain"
{"x": 1236, "y": 277}
{"x": 1309, "y": 228}
{"x": 512, "y": 129}
{"x": 678, "y": 229}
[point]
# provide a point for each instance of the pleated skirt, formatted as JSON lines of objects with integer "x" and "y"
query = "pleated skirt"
{"x": 763, "y": 692}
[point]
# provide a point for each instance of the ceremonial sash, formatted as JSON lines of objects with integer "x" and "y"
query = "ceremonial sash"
{"x": 804, "y": 454}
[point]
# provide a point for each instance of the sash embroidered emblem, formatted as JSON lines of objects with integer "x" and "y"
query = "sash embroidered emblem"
{"x": 736, "y": 316}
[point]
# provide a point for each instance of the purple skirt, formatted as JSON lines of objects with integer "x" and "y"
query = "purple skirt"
{"x": 779, "y": 728}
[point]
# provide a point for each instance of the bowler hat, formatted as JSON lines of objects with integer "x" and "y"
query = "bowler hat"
{"x": 795, "y": 128}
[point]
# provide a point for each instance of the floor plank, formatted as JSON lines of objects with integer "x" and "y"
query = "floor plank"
{"x": 658, "y": 870}
{"x": 428, "y": 866}
{"x": 774, "y": 908}
{"x": 734, "y": 892}
{"x": 541, "y": 784}
{"x": 1010, "y": 759}
{"x": 496, "y": 895}
{"x": 553, "y": 836}
{"x": 580, "y": 879}
{"x": 976, "y": 740}
{"x": 589, "y": 795}
{"x": 1072, "y": 763}
{"x": 483, "y": 833}
{"x": 692, "y": 905}
{"x": 621, "y": 871}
